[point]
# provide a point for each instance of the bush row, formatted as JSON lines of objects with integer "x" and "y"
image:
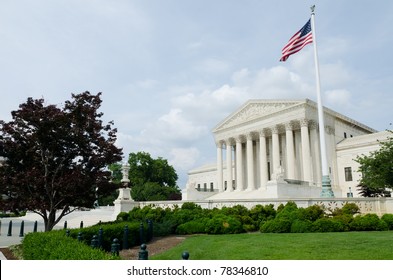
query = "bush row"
{"x": 64, "y": 244}
{"x": 55, "y": 245}
{"x": 112, "y": 230}
{"x": 289, "y": 218}
{"x": 191, "y": 218}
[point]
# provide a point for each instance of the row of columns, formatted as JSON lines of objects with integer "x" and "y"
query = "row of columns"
{"x": 263, "y": 160}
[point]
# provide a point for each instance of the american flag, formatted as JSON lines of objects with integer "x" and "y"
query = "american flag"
{"x": 297, "y": 41}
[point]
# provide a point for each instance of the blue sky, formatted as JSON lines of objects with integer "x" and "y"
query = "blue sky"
{"x": 170, "y": 70}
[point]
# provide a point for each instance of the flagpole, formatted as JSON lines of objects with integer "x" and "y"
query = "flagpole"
{"x": 326, "y": 182}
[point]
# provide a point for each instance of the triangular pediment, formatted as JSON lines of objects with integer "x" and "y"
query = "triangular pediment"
{"x": 256, "y": 109}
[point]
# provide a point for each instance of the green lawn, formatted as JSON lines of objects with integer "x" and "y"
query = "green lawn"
{"x": 290, "y": 246}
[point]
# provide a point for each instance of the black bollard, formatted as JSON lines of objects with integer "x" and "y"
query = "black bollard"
{"x": 35, "y": 226}
{"x": 185, "y": 255}
{"x": 115, "y": 248}
{"x": 149, "y": 230}
{"x": 141, "y": 233}
{"x": 143, "y": 253}
{"x": 100, "y": 236}
{"x": 80, "y": 237}
{"x": 125, "y": 238}
{"x": 65, "y": 225}
{"x": 81, "y": 225}
{"x": 94, "y": 242}
{"x": 22, "y": 229}
{"x": 10, "y": 229}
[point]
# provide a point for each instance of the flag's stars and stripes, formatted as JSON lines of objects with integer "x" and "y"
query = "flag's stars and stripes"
{"x": 297, "y": 41}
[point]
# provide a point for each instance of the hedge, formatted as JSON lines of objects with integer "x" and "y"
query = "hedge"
{"x": 55, "y": 245}
{"x": 113, "y": 230}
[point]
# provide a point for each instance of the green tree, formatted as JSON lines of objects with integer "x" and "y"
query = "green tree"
{"x": 150, "y": 179}
{"x": 56, "y": 158}
{"x": 377, "y": 171}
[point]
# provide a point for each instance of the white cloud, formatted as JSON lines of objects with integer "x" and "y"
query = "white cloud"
{"x": 335, "y": 75}
{"x": 278, "y": 83}
{"x": 173, "y": 126}
{"x": 338, "y": 97}
{"x": 213, "y": 66}
{"x": 184, "y": 158}
{"x": 241, "y": 77}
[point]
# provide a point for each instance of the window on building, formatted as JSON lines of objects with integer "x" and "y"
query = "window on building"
{"x": 211, "y": 186}
{"x": 225, "y": 185}
{"x": 205, "y": 187}
{"x": 199, "y": 187}
{"x": 345, "y": 135}
{"x": 348, "y": 174}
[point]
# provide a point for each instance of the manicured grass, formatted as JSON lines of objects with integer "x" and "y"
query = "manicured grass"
{"x": 376, "y": 245}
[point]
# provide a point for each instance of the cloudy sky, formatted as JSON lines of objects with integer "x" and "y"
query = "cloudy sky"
{"x": 171, "y": 70}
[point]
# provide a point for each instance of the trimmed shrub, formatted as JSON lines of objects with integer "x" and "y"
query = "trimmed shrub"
{"x": 348, "y": 209}
{"x": 368, "y": 222}
{"x": 248, "y": 223}
{"x": 221, "y": 224}
{"x": 328, "y": 225}
{"x": 111, "y": 230}
{"x": 192, "y": 227}
{"x": 300, "y": 226}
{"x": 55, "y": 245}
{"x": 164, "y": 228}
{"x": 155, "y": 214}
{"x": 122, "y": 217}
{"x": 290, "y": 211}
{"x": 191, "y": 206}
{"x": 261, "y": 213}
{"x": 388, "y": 219}
{"x": 276, "y": 226}
{"x": 345, "y": 220}
{"x": 311, "y": 213}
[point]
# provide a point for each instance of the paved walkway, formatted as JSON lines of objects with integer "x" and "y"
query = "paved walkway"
{"x": 74, "y": 219}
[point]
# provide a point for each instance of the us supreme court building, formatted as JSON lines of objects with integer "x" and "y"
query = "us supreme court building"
{"x": 270, "y": 149}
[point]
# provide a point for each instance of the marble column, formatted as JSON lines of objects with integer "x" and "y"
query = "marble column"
{"x": 250, "y": 164}
{"x": 229, "y": 166}
{"x": 290, "y": 151}
{"x": 219, "y": 166}
{"x": 276, "y": 150}
{"x": 306, "y": 155}
{"x": 263, "y": 159}
{"x": 239, "y": 164}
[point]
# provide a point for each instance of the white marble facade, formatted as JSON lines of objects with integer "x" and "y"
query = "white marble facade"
{"x": 270, "y": 149}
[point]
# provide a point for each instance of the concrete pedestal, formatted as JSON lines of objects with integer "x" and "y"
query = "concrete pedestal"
{"x": 124, "y": 202}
